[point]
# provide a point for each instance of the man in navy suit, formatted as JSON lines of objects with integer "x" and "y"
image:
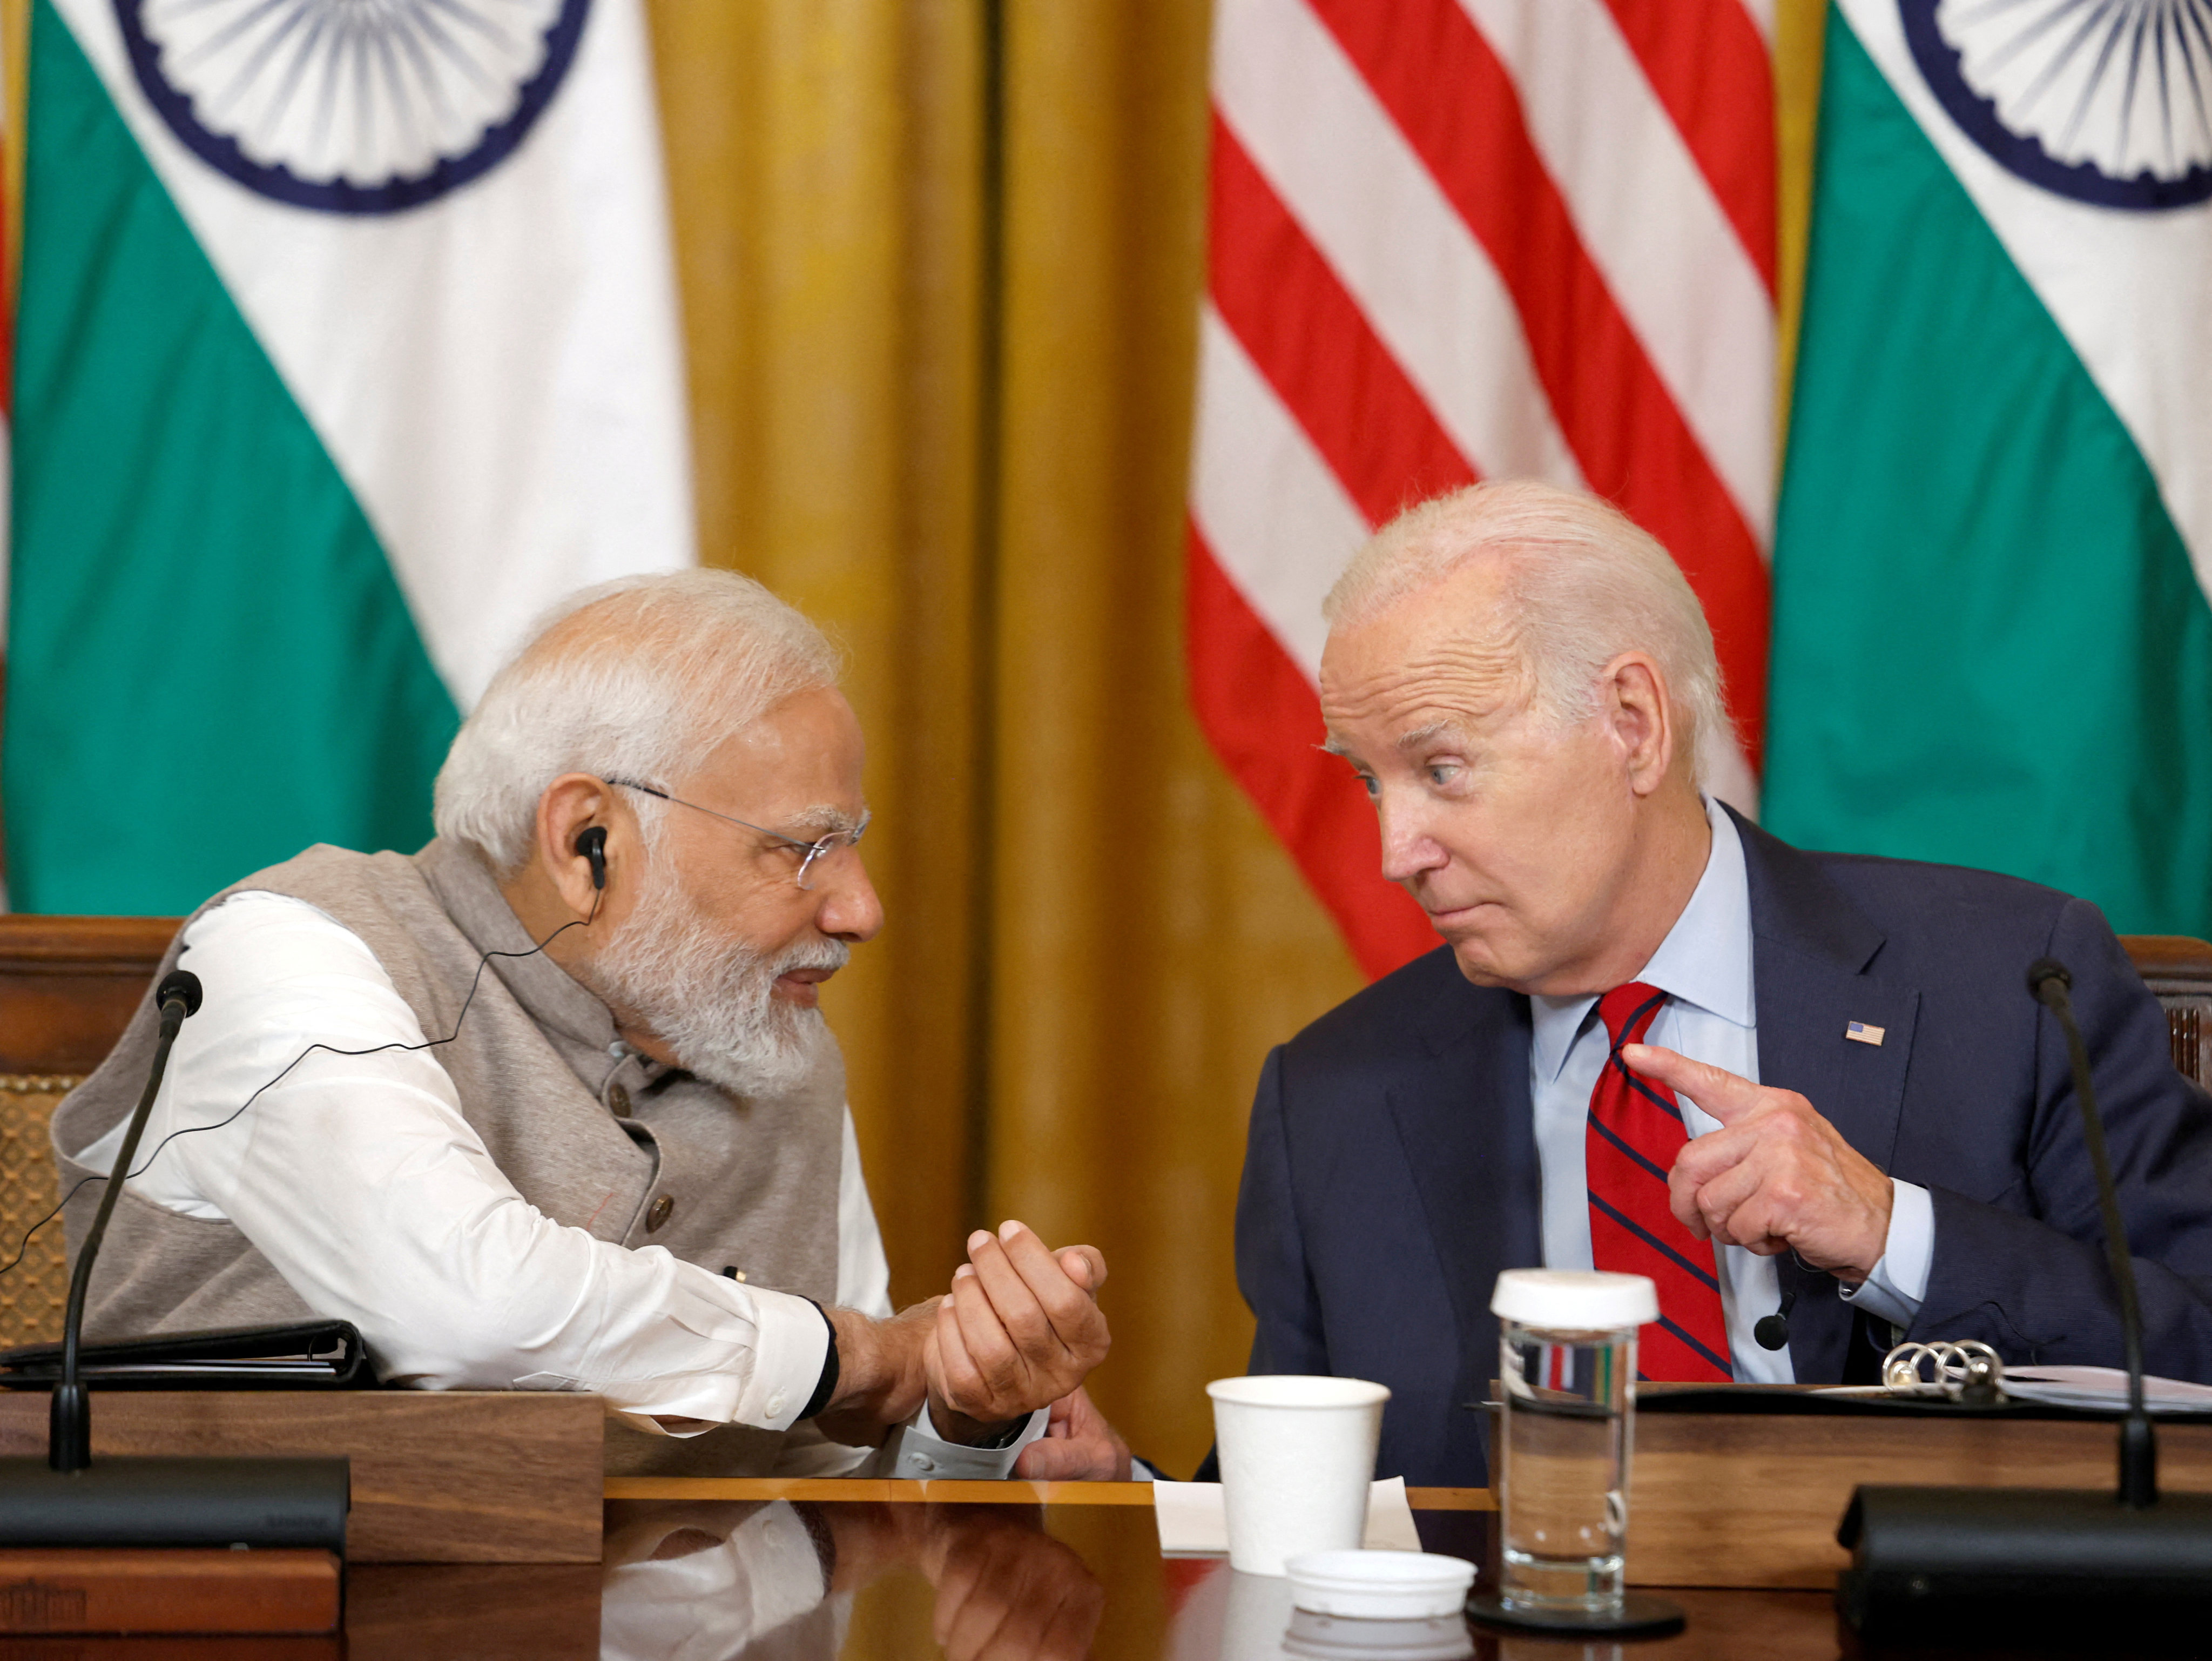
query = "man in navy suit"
{"x": 1659, "y": 1040}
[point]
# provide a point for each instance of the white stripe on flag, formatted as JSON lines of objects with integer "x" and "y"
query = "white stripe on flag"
{"x": 1341, "y": 167}
{"x": 497, "y": 373}
{"x": 1267, "y": 505}
{"x": 1651, "y": 223}
{"x": 2132, "y": 292}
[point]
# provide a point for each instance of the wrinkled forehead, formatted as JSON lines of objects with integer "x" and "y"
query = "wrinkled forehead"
{"x": 1446, "y": 654}
{"x": 800, "y": 761}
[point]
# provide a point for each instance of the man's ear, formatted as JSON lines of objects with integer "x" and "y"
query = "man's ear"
{"x": 1643, "y": 718}
{"x": 576, "y": 820}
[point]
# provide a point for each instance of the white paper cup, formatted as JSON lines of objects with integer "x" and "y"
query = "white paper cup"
{"x": 1298, "y": 1458}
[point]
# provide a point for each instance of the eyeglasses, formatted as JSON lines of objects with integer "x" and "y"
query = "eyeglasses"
{"x": 819, "y": 849}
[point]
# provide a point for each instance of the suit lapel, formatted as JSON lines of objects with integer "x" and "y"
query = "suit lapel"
{"x": 1813, "y": 958}
{"x": 1468, "y": 1133}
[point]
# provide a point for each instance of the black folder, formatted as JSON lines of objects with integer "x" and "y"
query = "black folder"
{"x": 309, "y": 1356}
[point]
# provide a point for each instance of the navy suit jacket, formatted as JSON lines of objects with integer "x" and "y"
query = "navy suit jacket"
{"x": 1391, "y": 1171}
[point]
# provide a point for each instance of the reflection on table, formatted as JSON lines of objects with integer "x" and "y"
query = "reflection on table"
{"x": 700, "y": 1581}
{"x": 808, "y": 1570}
{"x": 809, "y": 1580}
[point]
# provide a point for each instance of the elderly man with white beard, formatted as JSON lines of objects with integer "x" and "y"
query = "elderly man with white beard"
{"x": 550, "y": 1104}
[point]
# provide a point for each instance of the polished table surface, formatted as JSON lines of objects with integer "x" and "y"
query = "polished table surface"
{"x": 997, "y": 1571}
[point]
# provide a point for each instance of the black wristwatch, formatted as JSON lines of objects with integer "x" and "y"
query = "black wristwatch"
{"x": 826, "y": 1386}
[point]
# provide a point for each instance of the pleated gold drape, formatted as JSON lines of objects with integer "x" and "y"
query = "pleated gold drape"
{"x": 941, "y": 367}
{"x": 941, "y": 262}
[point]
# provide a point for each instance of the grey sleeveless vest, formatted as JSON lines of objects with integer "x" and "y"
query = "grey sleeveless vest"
{"x": 592, "y": 1134}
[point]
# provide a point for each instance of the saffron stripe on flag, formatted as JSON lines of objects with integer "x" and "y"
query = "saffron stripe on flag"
{"x": 1336, "y": 161}
{"x": 1629, "y": 437}
{"x": 1307, "y": 338}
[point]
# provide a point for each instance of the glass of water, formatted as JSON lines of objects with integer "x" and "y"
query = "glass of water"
{"x": 1566, "y": 1361}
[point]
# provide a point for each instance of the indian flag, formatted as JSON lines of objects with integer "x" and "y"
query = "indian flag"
{"x": 1991, "y": 641}
{"x": 347, "y": 340}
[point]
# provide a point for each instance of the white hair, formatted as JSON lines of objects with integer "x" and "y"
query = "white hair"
{"x": 1583, "y": 583}
{"x": 642, "y": 678}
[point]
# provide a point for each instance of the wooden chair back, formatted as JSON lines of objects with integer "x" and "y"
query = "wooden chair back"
{"x": 68, "y": 985}
{"x": 67, "y": 988}
{"x": 2178, "y": 968}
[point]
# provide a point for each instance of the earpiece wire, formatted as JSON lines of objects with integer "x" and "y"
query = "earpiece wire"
{"x": 484, "y": 962}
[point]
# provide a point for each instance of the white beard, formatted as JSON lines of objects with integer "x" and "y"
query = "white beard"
{"x": 712, "y": 1001}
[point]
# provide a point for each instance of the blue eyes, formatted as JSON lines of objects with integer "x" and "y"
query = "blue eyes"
{"x": 1440, "y": 776}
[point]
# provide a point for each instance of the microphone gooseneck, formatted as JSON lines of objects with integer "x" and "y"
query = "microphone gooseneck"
{"x": 2049, "y": 983}
{"x": 69, "y": 1440}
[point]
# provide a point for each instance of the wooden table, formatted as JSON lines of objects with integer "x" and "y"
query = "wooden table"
{"x": 1039, "y": 1570}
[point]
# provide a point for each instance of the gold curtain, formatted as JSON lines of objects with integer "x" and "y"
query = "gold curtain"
{"x": 940, "y": 264}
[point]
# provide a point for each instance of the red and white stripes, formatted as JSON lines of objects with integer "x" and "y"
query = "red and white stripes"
{"x": 1463, "y": 239}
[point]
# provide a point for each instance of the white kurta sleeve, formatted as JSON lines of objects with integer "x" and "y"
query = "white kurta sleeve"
{"x": 358, "y": 1177}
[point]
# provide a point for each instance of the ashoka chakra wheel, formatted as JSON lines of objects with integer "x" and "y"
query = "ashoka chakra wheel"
{"x": 351, "y": 106}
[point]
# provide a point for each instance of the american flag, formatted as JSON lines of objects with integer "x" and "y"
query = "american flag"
{"x": 1462, "y": 239}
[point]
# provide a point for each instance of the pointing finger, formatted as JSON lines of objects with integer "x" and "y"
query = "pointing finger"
{"x": 1727, "y": 1096}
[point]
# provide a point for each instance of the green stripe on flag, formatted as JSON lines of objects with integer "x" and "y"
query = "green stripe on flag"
{"x": 1989, "y": 649}
{"x": 210, "y": 665}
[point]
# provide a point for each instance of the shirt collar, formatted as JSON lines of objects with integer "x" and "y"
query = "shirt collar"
{"x": 1704, "y": 960}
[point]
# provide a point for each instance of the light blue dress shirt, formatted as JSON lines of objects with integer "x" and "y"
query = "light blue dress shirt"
{"x": 1703, "y": 966}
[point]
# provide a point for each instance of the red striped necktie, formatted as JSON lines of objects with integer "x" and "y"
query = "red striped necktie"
{"x": 1635, "y": 1131}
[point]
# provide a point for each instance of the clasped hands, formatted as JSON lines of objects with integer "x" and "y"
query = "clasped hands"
{"x": 1777, "y": 1177}
{"x": 1019, "y": 1331}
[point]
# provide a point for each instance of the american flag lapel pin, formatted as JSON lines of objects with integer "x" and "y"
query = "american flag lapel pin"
{"x": 1860, "y": 1032}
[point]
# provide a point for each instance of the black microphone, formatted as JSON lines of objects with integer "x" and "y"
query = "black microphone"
{"x": 66, "y": 1499}
{"x": 68, "y": 1423}
{"x": 1772, "y": 1331}
{"x": 2038, "y": 1562}
{"x": 2050, "y": 985}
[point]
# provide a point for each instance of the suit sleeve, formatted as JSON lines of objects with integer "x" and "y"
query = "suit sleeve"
{"x": 2026, "y": 1272}
{"x": 1271, "y": 1262}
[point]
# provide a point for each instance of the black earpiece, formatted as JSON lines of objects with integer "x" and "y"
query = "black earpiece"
{"x": 592, "y": 843}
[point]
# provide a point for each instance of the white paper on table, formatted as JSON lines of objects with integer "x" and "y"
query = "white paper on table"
{"x": 2103, "y": 1387}
{"x": 1193, "y": 1523}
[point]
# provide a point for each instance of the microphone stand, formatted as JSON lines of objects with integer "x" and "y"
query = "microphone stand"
{"x": 2052, "y": 988}
{"x": 2043, "y": 1564}
{"x": 69, "y": 1500}
{"x": 68, "y": 1421}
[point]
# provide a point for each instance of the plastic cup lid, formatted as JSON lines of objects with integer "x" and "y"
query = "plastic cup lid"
{"x": 1381, "y": 1570}
{"x": 1574, "y": 1299}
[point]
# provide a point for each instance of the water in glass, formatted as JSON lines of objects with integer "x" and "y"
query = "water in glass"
{"x": 1562, "y": 1482}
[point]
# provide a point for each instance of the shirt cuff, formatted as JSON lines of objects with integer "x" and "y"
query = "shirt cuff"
{"x": 917, "y": 1450}
{"x": 791, "y": 1343}
{"x": 1893, "y": 1289}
